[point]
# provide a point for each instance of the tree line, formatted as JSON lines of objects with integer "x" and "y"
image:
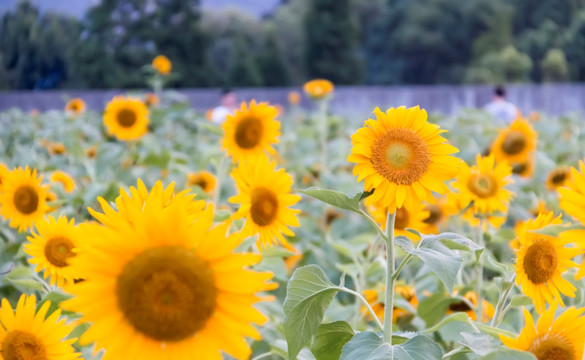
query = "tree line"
{"x": 346, "y": 41}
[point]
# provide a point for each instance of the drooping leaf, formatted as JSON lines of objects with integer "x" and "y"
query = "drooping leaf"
{"x": 336, "y": 198}
{"x": 369, "y": 346}
{"x": 330, "y": 339}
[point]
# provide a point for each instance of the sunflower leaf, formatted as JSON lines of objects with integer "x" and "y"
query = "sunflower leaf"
{"x": 330, "y": 339}
{"x": 369, "y": 346}
{"x": 555, "y": 230}
{"x": 336, "y": 198}
{"x": 509, "y": 354}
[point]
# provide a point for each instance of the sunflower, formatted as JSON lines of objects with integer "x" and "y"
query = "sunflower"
{"x": 204, "y": 179}
{"x": 402, "y": 157}
{"x": 91, "y": 151}
{"x": 406, "y": 217}
{"x": 151, "y": 99}
{"x": 524, "y": 169}
{"x": 560, "y": 339}
{"x": 264, "y": 197}
{"x": 23, "y": 198}
{"x": 251, "y": 131}
{"x": 27, "y": 334}
{"x": 487, "y": 308}
{"x": 318, "y": 88}
{"x": 407, "y": 292}
{"x": 64, "y": 179}
{"x": 484, "y": 184}
{"x": 515, "y": 143}
{"x": 542, "y": 260}
{"x": 56, "y": 148}
{"x": 52, "y": 247}
{"x": 161, "y": 282}
{"x": 559, "y": 177}
{"x": 439, "y": 212}
{"x": 540, "y": 208}
{"x": 75, "y": 106}
{"x": 3, "y": 171}
{"x": 294, "y": 98}
{"x": 126, "y": 118}
{"x": 572, "y": 197}
{"x": 162, "y": 64}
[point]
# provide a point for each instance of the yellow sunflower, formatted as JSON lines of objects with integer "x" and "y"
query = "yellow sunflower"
{"x": 515, "y": 143}
{"x": 406, "y": 217}
{"x": 524, "y": 169}
{"x": 56, "y": 148}
{"x": 151, "y": 99}
{"x": 23, "y": 198}
{"x": 484, "y": 184}
{"x": 487, "y": 308}
{"x": 560, "y": 339}
{"x": 264, "y": 195}
{"x": 318, "y": 88}
{"x": 3, "y": 171}
{"x": 540, "y": 208}
{"x": 402, "y": 157}
{"x": 52, "y": 247}
{"x": 161, "y": 282}
{"x": 294, "y": 98}
{"x": 559, "y": 177}
{"x": 204, "y": 179}
{"x": 91, "y": 151}
{"x": 438, "y": 214}
{"x": 162, "y": 64}
{"x": 126, "y": 118}
{"x": 542, "y": 260}
{"x": 75, "y": 106}
{"x": 251, "y": 131}
{"x": 407, "y": 292}
{"x": 572, "y": 197}
{"x": 27, "y": 334}
{"x": 64, "y": 179}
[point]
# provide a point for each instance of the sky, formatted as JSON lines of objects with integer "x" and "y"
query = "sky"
{"x": 78, "y": 8}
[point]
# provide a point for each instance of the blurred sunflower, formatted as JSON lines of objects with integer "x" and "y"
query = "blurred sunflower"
{"x": 91, "y": 151}
{"x": 542, "y": 260}
{"x": 560, "y": 339}
{"x": 403, "y": 157}
{"x": 126, "y": 118}
{"x": 27, "y": 334}
{"x": 264, "y": 195}
{"x": 487, "y": 308}
{"x": 294, "y": 98}
{"x": 162, "y": 282}
{"x": 52, "y": 247}
{"x": 151, "y": 99}
{"x": 162, "y": 64}
{"x": 318, "y": 88}
{"x": 540, "y": 208}
{"x": 56, "y": 148}
{"x": 484, "y": 184}
{"x": 3, "y": 171}
{"x": 64, "y": 179}
{"x": 251, "y": 131}
{"x": 406, "y": 292}
{"x": 204, "y": 179}
{"x": 406, "y": 217}
{"x": 524, "y": 169}
{"x": 75, "y": 106}
{"x": 515, "y": 143}
{"x": 438, "y": 213}
{"x": 23, "y": 198}
{"x": 572, "y": 197}
{"x": 558, "y": 177}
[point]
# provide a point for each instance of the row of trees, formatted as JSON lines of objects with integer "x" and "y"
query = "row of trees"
{"x": 346, "y": 41}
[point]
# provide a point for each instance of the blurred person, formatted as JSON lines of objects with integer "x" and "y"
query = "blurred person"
{"x": 504, "y": 111}
{"x": 228, "y": 105}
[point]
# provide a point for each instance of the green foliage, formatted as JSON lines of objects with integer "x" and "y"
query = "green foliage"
{"x": 505, "y": 66}
{"x": 554, "y": 66}
{"x": 369, "y": 346}
{"x": 330, "y": 339}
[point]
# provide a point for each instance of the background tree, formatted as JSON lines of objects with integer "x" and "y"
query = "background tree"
{"x": 554, "y": 66}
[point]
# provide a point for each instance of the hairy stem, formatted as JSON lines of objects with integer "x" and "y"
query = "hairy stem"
{"x": 389, "y": 301}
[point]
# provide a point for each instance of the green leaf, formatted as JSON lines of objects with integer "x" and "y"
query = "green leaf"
{"x": 555, "y": 230}
{"x": 309, "y": 293}
{"x": 337, "y": 198}
{"x": 480, "y": 344}
{"x": 458, "y": 316}
{"x": 55, "y": 297}
{"x": 330, "y": 339}
{"x": 369, "y": 346}
{"x": 23, "y": 278}
{"x": 520, "y": 300}
{"x": 433, "y": 308}
{"x": 441, "y": 260}
{"x": 509, "y": 354}
{"x": 492, "y": 331}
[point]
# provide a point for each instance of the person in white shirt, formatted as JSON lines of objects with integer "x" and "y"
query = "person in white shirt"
{"x": 502, "y": 110}
{"x": 227, "y": 107}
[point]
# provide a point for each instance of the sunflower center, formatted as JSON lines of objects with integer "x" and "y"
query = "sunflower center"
{"x": 58, "y": 250}
{"x": 167, "y": 293}
{"x": 552, "y": 346}
{"x": 460, "y": 306}
{"x": 514, "y": 143}
{"x": 435, "y": 214}
{"x": 401, "y": 156}
{"x": 264, "y": 206}
{"x": 520, "y": 168}
{"x": 201, "y": 183}
{"x": 540, "y": 261}
{"x": 26, "y": 199}
{"x": 558, "y": 178}
{"x": 126, "y": 118}
{"x": 482, "y": 185}
{"x": 402, "y": 217}
{"x": 21, "y": 345}
{"x": 249, "y": 132}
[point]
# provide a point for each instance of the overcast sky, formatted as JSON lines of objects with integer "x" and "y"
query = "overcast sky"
{"x": 78, "y": 7}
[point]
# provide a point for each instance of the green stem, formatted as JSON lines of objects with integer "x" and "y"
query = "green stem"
{"x": 221, "y": 173}
{"x": 262, "y": 356}
{"x": 479, "y": 283}
{"x": 401, "y": 266}
{"x": 389, "y": 300}
{"x": 323, "y": 134}
{"x": 366, "y": 304}
{"x": 500, "y": 306}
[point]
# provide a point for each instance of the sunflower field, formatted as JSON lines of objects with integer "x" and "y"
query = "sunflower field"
{"x": 145, "y": 231}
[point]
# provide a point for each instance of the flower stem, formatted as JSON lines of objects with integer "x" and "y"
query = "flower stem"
{"x": 389, "y": 302}
{"x": 221, "y": 173}
{"x": 366, "y": 304}
{"x": 479, "y": 283}
{"x": 323, "y": 135}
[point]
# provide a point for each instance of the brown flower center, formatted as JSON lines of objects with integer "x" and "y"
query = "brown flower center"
{"x": 201, "y": 183}
{"x": 126, "y": 118}
{"x": 167, "y": 293}
{"x": 482, "y": 185}
{"x": 514, "y": 143}
{"x": 22, "y": 345}
{"x": 401, "y": 156}
{"x": 26, "y": 199}
{"x": 264, "y": 206}
{"x": 58, "y": 250}
{"x": 559, "y": 178}
{"x": 460, "y": 306}
{"x": 520, "y": 168}
{"x": 552, "y": 346}
{"x": 540, "y": 261}
{"x": 435, "y": 214}
{"x": 402, "y": 219}
{"x": 249, "y": 132}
